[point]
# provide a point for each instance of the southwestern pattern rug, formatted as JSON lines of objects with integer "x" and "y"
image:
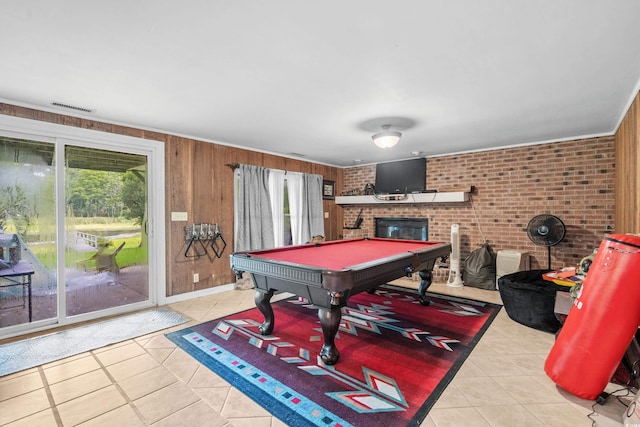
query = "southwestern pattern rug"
{"x": 396, "y": 357}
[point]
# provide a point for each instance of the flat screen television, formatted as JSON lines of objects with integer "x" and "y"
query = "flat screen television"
{"x": 405, "y": 176}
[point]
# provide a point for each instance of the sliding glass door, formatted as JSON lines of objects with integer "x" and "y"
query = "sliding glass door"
{"x": 75, "y": 230}
{"x": 105, "y": 218}
{"x": 28, "y": 285}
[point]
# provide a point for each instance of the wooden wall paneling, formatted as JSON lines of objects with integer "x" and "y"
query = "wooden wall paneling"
{"x": 202, "y": 202}
{"x": 334, "y": 218}
{"x": 338, "y": 218}
{"x": 155, "y": 136}
{"x": 179, "y": 185}
{"x": 627, "y": 215}
{"x": 634, "y": 159}
{"x": 224, "y": 199}
{"x": 295, "y": 165}
{"x": 102, "y": 127}
{"x": 217, "y": 171}
{"x": 272, "y": 161}
{"x": 254, "y": 158}
{"x": 15, "y": 111}
{"x": 623, "y": 178}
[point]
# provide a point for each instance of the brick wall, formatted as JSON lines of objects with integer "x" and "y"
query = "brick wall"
{"x": 573, "y": 180}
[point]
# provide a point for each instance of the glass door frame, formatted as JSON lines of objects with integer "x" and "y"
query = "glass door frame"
{"x": 62, "y": 135}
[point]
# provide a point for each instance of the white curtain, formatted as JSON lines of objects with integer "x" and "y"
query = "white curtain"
{"x": 253, "y": 220}
{"x": 305, "y": 206}
{"x": 276, "y": 191}
{"x": 294, "y": 187}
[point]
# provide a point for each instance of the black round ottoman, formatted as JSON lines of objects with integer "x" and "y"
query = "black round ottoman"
{"x": 530, "y": 300}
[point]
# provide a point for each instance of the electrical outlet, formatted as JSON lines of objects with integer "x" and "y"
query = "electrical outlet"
{"x": 196, "y": 277}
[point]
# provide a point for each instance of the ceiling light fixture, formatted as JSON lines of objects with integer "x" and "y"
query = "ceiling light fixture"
{"x": 387, "y": 138}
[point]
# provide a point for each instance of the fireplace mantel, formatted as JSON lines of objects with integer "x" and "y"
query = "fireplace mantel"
{"x": 444, "y": 197}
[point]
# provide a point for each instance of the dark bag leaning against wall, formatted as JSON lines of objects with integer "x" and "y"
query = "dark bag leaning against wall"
{"x": 480, "y": 268}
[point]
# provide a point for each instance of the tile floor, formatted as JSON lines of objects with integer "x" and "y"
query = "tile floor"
{"x": 149, "y": 382}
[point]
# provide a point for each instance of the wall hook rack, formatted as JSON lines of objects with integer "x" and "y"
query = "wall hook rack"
{"x": 203, "y": 234}
{"x": 217, "y": 235}
{"x": 195, "y": 233}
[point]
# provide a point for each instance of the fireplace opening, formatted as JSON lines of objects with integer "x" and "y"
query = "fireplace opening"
{"x": 402, "y": 228}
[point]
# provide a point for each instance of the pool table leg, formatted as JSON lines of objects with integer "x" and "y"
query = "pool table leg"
{"x": 263, "y": 302}
{"x": 426, "y": 277}
{"x": 330, "y": 321}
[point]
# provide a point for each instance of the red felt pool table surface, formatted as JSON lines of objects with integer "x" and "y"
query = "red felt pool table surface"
{"x": 343, "y": 254}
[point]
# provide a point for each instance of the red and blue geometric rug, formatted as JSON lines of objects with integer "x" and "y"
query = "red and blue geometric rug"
{"x": 396, "y": 357}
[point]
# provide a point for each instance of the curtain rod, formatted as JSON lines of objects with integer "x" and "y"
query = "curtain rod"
{"x": 235, "y": 166}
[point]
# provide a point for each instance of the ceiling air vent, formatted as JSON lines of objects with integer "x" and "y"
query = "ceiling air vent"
{"x": 72, "y": 107}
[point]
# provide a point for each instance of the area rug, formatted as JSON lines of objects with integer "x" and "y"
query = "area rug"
{"x": 25, "y": 354}
{"x": 396, "y": 357}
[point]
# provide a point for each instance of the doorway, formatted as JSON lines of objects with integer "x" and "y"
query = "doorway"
{"x": 79, "y": 222}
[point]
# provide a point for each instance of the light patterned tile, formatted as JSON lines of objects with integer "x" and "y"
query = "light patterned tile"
{"x": 215, "y": 397}
{"x": 526, "y": 389}
{"x": 121, "y": 416}
{"x": 66, "y": 360}
{"x": 509, "y": 416}
{"x": 143, "y": 340}
{"x": 205, "y": 378}
{"x": 64, "y": 371}
{"x": 452, "y": 397}
{"x": 90, "y": 406}
{"x": 240, "y": 406}
{"x": 72, "y": 388}
{"x": 198, "y": 414}
{"x": 183, "y": 372}
{"x": 17, "y": 374}
{"x": 496, "y": 365}
{"x": 147, "y": 382}
{"x": 484, "y": 391}
{"x": 253, "y": 422}
{"x": 166, "y": 401}
{"x": 512, "y": 346}
{"x": 277, "y": 423}
{"x": 23, "y": 405}
{"x": 112, "y": 346}
{"x": 159, "y": 341}
{"x": 484, "y": 347}
{"x": 160, "y": 354}
{"x": 559, "y": 415}
{"x": 458, "y": 417}
{"x": 531, "y": 364}
{"x": 118, "y": 354}
{"x": 180, "y": 357}
{"x": 40, "y": 419}
{"x": 131, "y": 367}
{"x": 18, "y": 385}
{"x": 470, "y": 369}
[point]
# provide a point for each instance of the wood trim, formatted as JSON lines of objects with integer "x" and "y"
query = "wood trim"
{"x": 627, "y": 181}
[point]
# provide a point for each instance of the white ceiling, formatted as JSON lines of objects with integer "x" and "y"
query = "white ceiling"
{"x": 314, "y": 80}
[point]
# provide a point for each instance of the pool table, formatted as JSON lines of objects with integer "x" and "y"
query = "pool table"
{"x": 327, "y": 274}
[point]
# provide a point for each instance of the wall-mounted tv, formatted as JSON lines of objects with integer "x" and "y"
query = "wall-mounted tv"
{"x": 405, "y": 176}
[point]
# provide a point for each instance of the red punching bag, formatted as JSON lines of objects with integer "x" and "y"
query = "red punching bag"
{"x": 602, "y": 322}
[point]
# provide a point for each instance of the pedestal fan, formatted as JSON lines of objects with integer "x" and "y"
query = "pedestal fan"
{"x": 546, "y": 230}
